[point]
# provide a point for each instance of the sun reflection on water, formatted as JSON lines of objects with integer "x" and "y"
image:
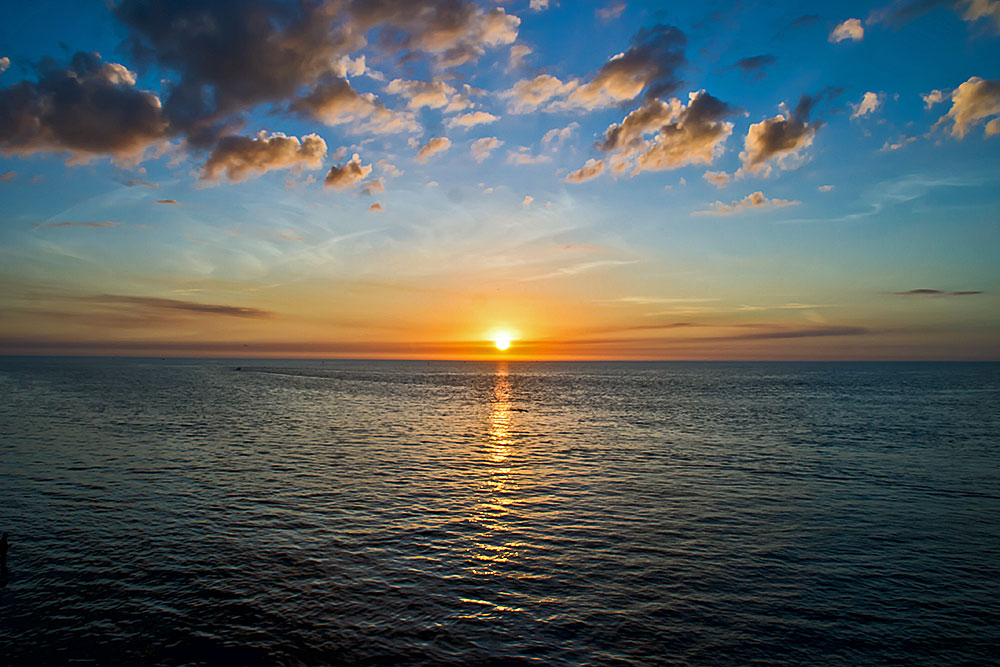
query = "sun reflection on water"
{"x": 496, "y": 547}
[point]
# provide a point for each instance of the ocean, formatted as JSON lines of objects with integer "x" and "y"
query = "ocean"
{"x": 473, "y": 513}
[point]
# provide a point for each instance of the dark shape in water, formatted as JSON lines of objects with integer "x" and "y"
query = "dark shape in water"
{"x": 4, "y": 548}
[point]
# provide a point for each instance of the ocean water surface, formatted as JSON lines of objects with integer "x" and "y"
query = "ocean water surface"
{"x": 349, "y": 512}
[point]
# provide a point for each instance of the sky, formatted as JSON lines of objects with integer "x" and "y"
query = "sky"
{"x": 413, "y": 178}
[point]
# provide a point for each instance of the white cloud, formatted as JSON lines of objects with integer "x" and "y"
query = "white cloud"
{"x": 523, "y": 156}
{"x": 482, "y": 148}
{"x": 850, "y": 29}
{"x": 719, "y": 179}
{"x": 471, "y": 119}
{"x": 755, "y": 200}
{"x": 435, "y": 145}
{"x": 592, "y": 169}
{"x": 971, "y": 103}
{"x": 870, "y": 102}
{"x": 560, "y": 134}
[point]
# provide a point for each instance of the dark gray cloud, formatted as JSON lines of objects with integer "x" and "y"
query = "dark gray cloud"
{"x": 804, "y": 21}
{"x": 138, "y": 181}
{"x": 755, "y": 65}
{"x": 454, "y": 31}
{"x": 651, "y": 63}
{"x": 231, "y": 56}
{"x": 158, "y": 303}
{"x": 936, "y": 292}
{"x": 167, "y": 201}
{"x": 901, "y": 12}
{"x": 87, "y": 108}
{"x": 781, "y": 137}
{"x": 805, "y": 333}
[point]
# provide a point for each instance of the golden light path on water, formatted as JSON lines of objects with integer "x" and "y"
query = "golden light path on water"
{"x": 494, "y": 546}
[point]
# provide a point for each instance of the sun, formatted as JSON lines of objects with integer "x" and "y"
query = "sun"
{"x": 502, "y": 340}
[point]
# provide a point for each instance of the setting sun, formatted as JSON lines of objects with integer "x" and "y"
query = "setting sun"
{"x": 501, "y": 340}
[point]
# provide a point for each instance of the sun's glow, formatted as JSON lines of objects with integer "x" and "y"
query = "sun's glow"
{"x": 502, "y": 340}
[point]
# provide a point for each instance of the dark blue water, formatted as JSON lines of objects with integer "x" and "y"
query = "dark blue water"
{"x": 186, "y": 512}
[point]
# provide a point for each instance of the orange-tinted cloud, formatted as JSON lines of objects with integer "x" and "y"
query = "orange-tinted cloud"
{"x": 240, "y": 158}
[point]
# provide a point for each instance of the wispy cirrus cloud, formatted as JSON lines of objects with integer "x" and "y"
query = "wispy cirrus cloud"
{"x": 581, "y": 267}
{"x": 104, "y": 224}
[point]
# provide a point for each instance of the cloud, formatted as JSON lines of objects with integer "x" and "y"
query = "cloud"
{"x": 591, "y": 169}
{"x": 172, "y": 202}
{"x": 95, "y": 225}
{"x": 754, "y": 200}
{"x": 435, "y": 145}
{"x": 581, "y": 268}
{"x": 755, "y": 65}
{"x": 719, "y": 179}
{"x": 692, "y": 134}
{"x": 157, "y": 303}
{"x": 8, "y": 176}
{"x": 611, "y": 12}
{"x": 353, "y": 172}
{"x": 869, "y": 103}
{"x": 131, "y": 183}
{"x": 538, "y": 5}
{"x": 518, "y": 53}
{"x": 936, "y": 292}
{"x": 241, "y": 158}
{"x": 932, "y": 98}
{"x": 430, "y": 94}
{"x": 454, "y": 31}
{"x": 241, "y": 53}
{"x": 559, "y": 135}
{"x": 530, "y": 94}
{"x": 971, "y": 102}
{"x": 656, "y": 300}
{"x": 87, "y": 108}
{"x": 779, "y": 138}
{"x": 471, "y": 119}
{"x": 347, "y": 66}
{"x": 4, "y": 64}
{"x": 482, "y": 148}
{"x": 526, "y": 203}
{"x": 901, "y": 13}
{"x": 523, "y": 156}
{"x": 334, "y": 102}
{"x": 376, "y": 208}
{"x": 650, "y": 64}
{"x": 373, "y": 186}
{"x": 805, "y": 333}
{"x": 850, "y": 29}
{"x": 231, "y": 56}
{"x": 980, "y": 9}
{"x": 896, "y": 145}
{"x": 825, "y": 188}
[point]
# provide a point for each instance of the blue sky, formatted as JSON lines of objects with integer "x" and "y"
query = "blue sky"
{"x": 612, "y": 180}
